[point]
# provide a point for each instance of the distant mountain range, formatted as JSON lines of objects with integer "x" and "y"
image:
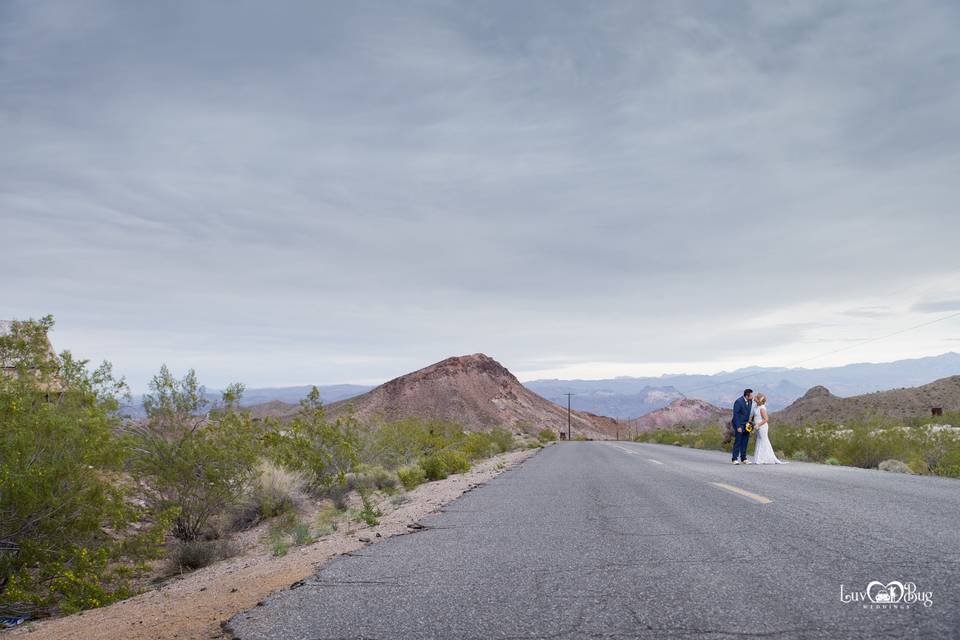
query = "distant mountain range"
{"x": 631, "y": 397}
{"x": 626, "y": 397}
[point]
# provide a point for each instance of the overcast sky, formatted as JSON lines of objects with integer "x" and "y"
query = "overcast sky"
{"x": 291, "y": 193}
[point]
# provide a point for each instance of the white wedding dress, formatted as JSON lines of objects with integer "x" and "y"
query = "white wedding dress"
{"x": 763, "y": 450}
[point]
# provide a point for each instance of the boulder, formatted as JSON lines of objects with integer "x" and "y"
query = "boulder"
{"x": 894, "y": 466}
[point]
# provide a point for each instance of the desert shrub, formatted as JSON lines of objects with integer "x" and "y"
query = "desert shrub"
{"x": 949, "y": 464}
{"x": 338, "y": 493}
{"x": 369, "y": 514}
{"x": 276, "y": 491}
{"x": 547, "y": 435}
{"x": 502, "y": 439}
{"x": 190, "y": 555}
{"x": 327, "y": 520}
{"x": 326, "y": 451}
{"x": 918, "y": 465}
{"x": 871, "y": 442}
{"x": 478, "y": 445}
{"x": 434, "y": 467}
{"x": 288, "y": 530}
{"x": 372, "y": 478}
{"x": 58, "y": 455}
{"x": 832, "y": 460}
{"x": 301, "y": 534}
{"x": 441, "y": 464}
{"x": 401, "y": 442}
{"x": 411, "y": 476}
{"x": 800, "y": 456}
{"x": 534, "y": 445}
{"x": 279, "y": 543}
{"x": 192, "y": 462}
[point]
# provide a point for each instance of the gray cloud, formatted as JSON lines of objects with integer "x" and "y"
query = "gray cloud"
{"x": 937, "y": 306}
{"x": 323, "y": 193}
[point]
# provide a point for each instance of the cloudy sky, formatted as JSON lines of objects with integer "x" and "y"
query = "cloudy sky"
{"x": 317, "y": 192}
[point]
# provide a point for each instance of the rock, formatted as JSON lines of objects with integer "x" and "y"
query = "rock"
{"x": 894, "y": 466}
{"x": 363, "y": 539}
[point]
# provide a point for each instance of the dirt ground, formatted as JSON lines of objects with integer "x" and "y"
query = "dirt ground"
{"x": 192, "y": 607}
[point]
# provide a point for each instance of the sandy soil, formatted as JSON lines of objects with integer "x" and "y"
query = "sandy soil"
{"x": 193, "y": 606}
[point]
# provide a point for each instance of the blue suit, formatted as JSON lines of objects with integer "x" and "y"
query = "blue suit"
{"x": 741, "y": 416}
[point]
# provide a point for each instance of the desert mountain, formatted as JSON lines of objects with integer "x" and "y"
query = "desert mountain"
{"x": 818, "y": 404}
{"x": 686, "y": 411}
{"x": 476, "y": 391}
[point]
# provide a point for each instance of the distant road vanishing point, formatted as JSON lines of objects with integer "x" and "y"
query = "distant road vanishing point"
{"x": 625, "y": 540}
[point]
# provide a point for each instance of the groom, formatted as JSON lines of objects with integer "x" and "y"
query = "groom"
{"x": 741, "y": 416}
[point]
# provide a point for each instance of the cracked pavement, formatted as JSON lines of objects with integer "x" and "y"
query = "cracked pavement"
{"x": 593, "y": 540}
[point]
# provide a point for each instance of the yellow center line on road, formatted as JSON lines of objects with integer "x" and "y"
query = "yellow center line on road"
{"x": 742, "y": 492}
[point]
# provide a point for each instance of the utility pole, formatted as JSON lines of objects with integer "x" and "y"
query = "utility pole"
{"x": 568, "y": 415}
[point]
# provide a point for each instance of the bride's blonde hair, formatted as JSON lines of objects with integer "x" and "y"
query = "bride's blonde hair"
{"x": 761, "y": 399}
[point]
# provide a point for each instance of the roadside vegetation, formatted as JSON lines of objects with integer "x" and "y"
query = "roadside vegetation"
{"x": 94, "y": 506}
{"x": 919, "y": 445}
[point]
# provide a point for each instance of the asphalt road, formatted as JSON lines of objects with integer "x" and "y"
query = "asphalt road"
{"x": 624, "y": 540}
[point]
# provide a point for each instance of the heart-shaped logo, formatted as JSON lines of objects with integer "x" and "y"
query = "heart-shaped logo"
{"x": 880, "y": 593}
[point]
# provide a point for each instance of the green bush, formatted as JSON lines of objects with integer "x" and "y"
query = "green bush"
{"x": 800, "y": 456}
{"x": 301, "y": 534}
{"x": 547, "y": 435}
{"x": 434, "y": 468}
{"x": 191, "y": 462}
{"x": 441, "y": 464}
{"x": 502, "y": 439}
{"x": 411, "y": 476}
{"x": 58, "y": 458}
{"x": 326, "y": 451}
{"x": 370, "y": 514}
{"x": 949, "y": 464}
{"x": 286, "y": 530}
{"x": 832, "y": 460}
{"x": 372, "y": 478}
{"x": 279, "y": 543}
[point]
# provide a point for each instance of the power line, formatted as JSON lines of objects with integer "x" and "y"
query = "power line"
{"x": 830, "y": 353}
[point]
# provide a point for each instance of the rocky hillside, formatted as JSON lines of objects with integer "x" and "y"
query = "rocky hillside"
{"x": 686, "y": 411}
{"x": 476, "y": 391}
{"x": 818, "y": 404}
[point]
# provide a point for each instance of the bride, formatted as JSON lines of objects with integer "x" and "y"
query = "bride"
{"x": 762, "y": 450}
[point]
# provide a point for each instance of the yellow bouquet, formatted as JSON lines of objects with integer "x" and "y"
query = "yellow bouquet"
{"x": 749, "y": 427}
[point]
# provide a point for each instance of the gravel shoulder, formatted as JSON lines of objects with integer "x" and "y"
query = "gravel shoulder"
{"x": 193, "y": 607}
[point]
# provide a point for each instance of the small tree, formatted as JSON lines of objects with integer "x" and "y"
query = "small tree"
{"x": 58, "y": 448}
{"x": 193, "y": 462}
{"x": 325, "y": 450}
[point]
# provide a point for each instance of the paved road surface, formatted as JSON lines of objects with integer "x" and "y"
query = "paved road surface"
{"x": 623, "y": 540}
